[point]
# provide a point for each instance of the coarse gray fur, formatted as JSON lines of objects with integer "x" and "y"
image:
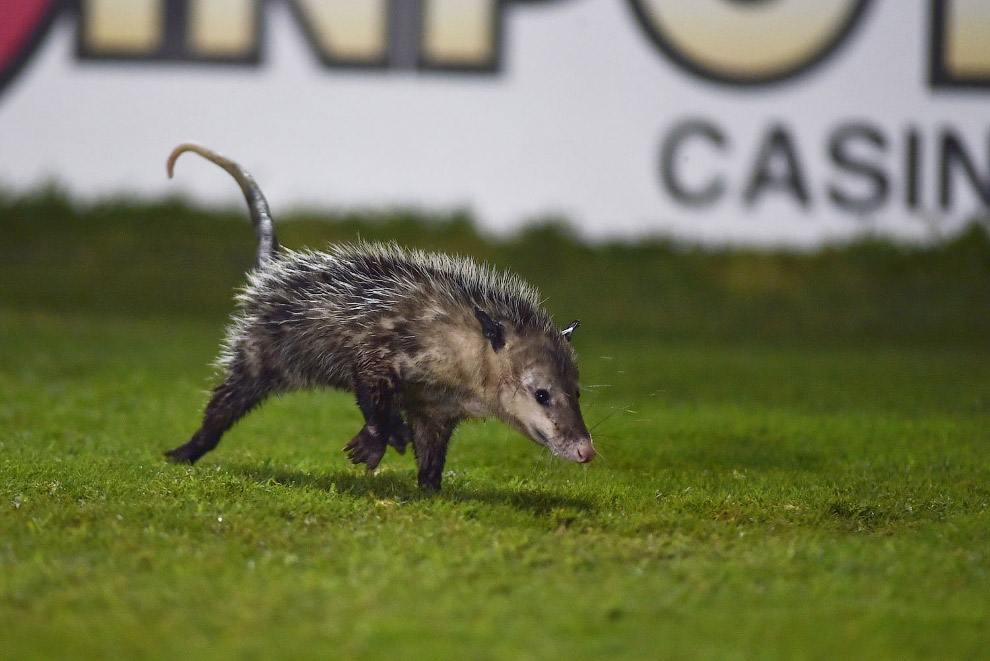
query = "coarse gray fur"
{"x": 424, "y": 340}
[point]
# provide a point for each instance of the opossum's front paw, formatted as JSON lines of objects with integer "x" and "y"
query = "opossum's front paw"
{"x": 365, "y": 448}
{"x": 429, "y": 482}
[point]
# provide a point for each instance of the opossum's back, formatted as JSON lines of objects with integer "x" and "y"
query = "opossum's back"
{"x": 355, "y": 285}
{"x": 327, "y": 289}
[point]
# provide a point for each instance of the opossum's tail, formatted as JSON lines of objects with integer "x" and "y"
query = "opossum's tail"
{"x": 261, "y": 215}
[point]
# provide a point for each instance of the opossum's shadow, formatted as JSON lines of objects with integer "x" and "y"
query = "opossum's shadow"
{"x": 402, "y": 487}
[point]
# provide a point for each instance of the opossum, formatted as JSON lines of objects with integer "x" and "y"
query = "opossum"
{"x": 424, "y": 341}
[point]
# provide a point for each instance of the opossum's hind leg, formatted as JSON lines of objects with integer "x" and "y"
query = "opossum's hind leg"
{"x": 374, "y": 398}
{"x": 430, "y": 440}
{"x": 231, "y": 400}
{"x": 366, "y": 444}
{"x": 400, "y": 435}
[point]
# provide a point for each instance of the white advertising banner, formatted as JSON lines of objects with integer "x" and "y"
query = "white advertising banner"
{"x": 724, "y": 121}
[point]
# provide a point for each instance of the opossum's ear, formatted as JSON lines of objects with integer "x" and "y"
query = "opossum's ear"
{"x": 569, "y": 331}
{"x": 491, "y": 329}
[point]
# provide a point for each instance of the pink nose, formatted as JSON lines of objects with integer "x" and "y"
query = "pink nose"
{"x": 585, "y": 453}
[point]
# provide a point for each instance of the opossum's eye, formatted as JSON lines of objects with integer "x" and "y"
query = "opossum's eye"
{"x": 543, "y": 397}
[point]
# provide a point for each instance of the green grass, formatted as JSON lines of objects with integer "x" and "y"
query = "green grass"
{"x": 794, "y": 460}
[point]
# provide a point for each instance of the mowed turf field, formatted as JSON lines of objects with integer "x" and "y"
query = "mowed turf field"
{"x": 794, "y": 459}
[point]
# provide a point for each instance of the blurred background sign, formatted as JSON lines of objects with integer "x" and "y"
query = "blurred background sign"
{"x": 725, "y": 121}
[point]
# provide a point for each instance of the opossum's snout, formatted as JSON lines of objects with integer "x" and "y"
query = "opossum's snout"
{"x": 581, "y": 451}
{"x": 585, "y": 452}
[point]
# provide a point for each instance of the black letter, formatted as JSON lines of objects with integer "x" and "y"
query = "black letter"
{"x": 948, "y": 21}
{"x": 778, "y": 145}
{"x": 954, "y": 152}
{"x": 694, "y": 45}
{"x": 669, "y": 159}
{"x": 912, "y": 183}
{"x": 842, "y": 156}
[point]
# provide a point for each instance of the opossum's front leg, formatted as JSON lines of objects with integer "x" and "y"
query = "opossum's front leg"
{"x": 430, "y": 439}
{"x": 374, "y": 397}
